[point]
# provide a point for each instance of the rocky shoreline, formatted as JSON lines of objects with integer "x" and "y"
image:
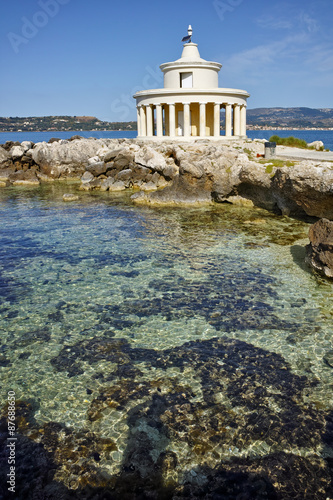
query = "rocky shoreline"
{"x": 176, "y": 172}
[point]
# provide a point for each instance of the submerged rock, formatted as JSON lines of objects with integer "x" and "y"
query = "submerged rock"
{"x": 70, "y": 197}
{"x": 320, "y": 250}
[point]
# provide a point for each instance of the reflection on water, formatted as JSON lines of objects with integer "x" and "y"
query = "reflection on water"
{"x": 167, "y": 353}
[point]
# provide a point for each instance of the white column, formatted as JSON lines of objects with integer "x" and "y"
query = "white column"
{"x": 159, "y": 120}
{"x": 143, "y": 121}
{"x": 202, "y": 129}
{"x": 217, "y": 119}
{"x": 138, "y": 120}
{"x": 243, "y": 121}
{"x": 228, "y": 132}
{"x": 237, "y": 119}
{"x": 187, "y": 129}
{"x": 172, "y": 120}
{"x": 149, "y": 111}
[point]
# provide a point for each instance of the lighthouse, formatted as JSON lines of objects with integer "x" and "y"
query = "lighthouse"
{"x": 189, "y": 106}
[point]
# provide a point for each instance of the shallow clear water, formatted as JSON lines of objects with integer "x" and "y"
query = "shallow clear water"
{"x": 146, "y": 342}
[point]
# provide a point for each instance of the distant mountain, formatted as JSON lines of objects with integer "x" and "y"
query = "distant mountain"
{"x": 60, "y": 123}
{"x": 290, "y": 117}
{"x": 256, "y": 118}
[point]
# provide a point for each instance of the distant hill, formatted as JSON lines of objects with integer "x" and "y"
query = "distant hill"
{"x": 60, "y": 123}
{"x": 290, "y": 117}
{"x": 256, "y": 118}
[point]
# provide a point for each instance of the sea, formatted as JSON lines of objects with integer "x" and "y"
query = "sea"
{"x": 326, "y": 136}
{"x": 160, "y": 352}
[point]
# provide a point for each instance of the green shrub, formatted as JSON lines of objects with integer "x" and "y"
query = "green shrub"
{"x": 289, "y": 141}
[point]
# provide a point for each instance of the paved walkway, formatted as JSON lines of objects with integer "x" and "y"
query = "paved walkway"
{"x": 303, "y": 154}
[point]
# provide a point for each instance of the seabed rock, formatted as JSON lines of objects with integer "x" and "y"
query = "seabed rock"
{"x": 70, "y": 197}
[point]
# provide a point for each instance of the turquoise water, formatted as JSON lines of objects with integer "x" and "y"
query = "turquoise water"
{"x": 164, "y": 350}
{"x": 308, "y": 135}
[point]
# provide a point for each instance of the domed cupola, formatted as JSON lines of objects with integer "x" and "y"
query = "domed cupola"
{"x": 189, "y": 105}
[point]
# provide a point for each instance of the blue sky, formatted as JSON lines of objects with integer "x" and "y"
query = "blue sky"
{"x": 80, "y": 57}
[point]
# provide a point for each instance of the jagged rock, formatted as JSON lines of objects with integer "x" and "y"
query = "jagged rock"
{"x": 24, "y": 178}
{"x": 5, "y": 173}
{"x": 9, "y": 144}
{"x": 307, "y": 187}
{"x": 17, "y": 152}
{"x": 124, "y": 175}
{"x": 94, "y": 159}
{"x": 106, "y": 183}
{"x": 124, "y": 160}
{"x": 111, "y": 155}
{"x": 65, "y": 160}
{"x": 87, "y": 177}
{"x": 140, "y": 173}
{"x": 148, "y": 186}
{"x": 148, "y": 157}
{"x": 97, "y": 168}
{"x": 95, "y": 183}
{"x": 319, "y": 253}
{"x": 183, "y": 190}
{"x": 4, "y": 156}
{"x": 26, "y": 145}
{"x": 117, "y": 186}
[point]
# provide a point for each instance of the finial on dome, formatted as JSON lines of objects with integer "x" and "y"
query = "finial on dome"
{"x": 188, "y": 38}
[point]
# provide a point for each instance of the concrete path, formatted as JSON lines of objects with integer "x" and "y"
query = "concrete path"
{"x": 303, "y": 154}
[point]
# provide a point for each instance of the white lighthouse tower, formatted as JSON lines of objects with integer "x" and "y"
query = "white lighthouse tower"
{"x": 189, "y": 105}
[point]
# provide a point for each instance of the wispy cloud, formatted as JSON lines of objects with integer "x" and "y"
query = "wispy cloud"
{"x": 296, "y": 20}
{"x": 320, "y": 58}
{"x": 261, "y": 56}
{"x": 274, "y": 23}
{"x": 310, "y": 23}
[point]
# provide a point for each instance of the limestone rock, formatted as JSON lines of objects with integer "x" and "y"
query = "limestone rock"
{"x": 17, "y": 152}
{"x": 306, "y": 186}
{"x": 94, "y": 183}
{"x": 183, "y": 190}
{"x": 111, "y": 155}
{"x": 320, "y": 250}
{"x": 124, "y": 175}
{"x": 107, "y": 183}
{"x": 65, "y": 159}
{"x": 97, "y": 168}
{"x": 70, "y": 197}
{"x": 26, "y": 145}
{"x": 148, "y": 186}
{"x": 318, "y": 145}
{"x": 87, "y": 177}
{"x": 94, "y": 159}
{"x": 117, "y": 186}
{"x": 5, "y": 173}
{"x": 148, "y": 157}
{"x": 4, "y": 156}
{"x": 24, "y": 178}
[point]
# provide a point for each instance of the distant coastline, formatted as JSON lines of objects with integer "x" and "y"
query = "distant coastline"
{"x": 257, "y": 119}
{"x": 264, "y": 127}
